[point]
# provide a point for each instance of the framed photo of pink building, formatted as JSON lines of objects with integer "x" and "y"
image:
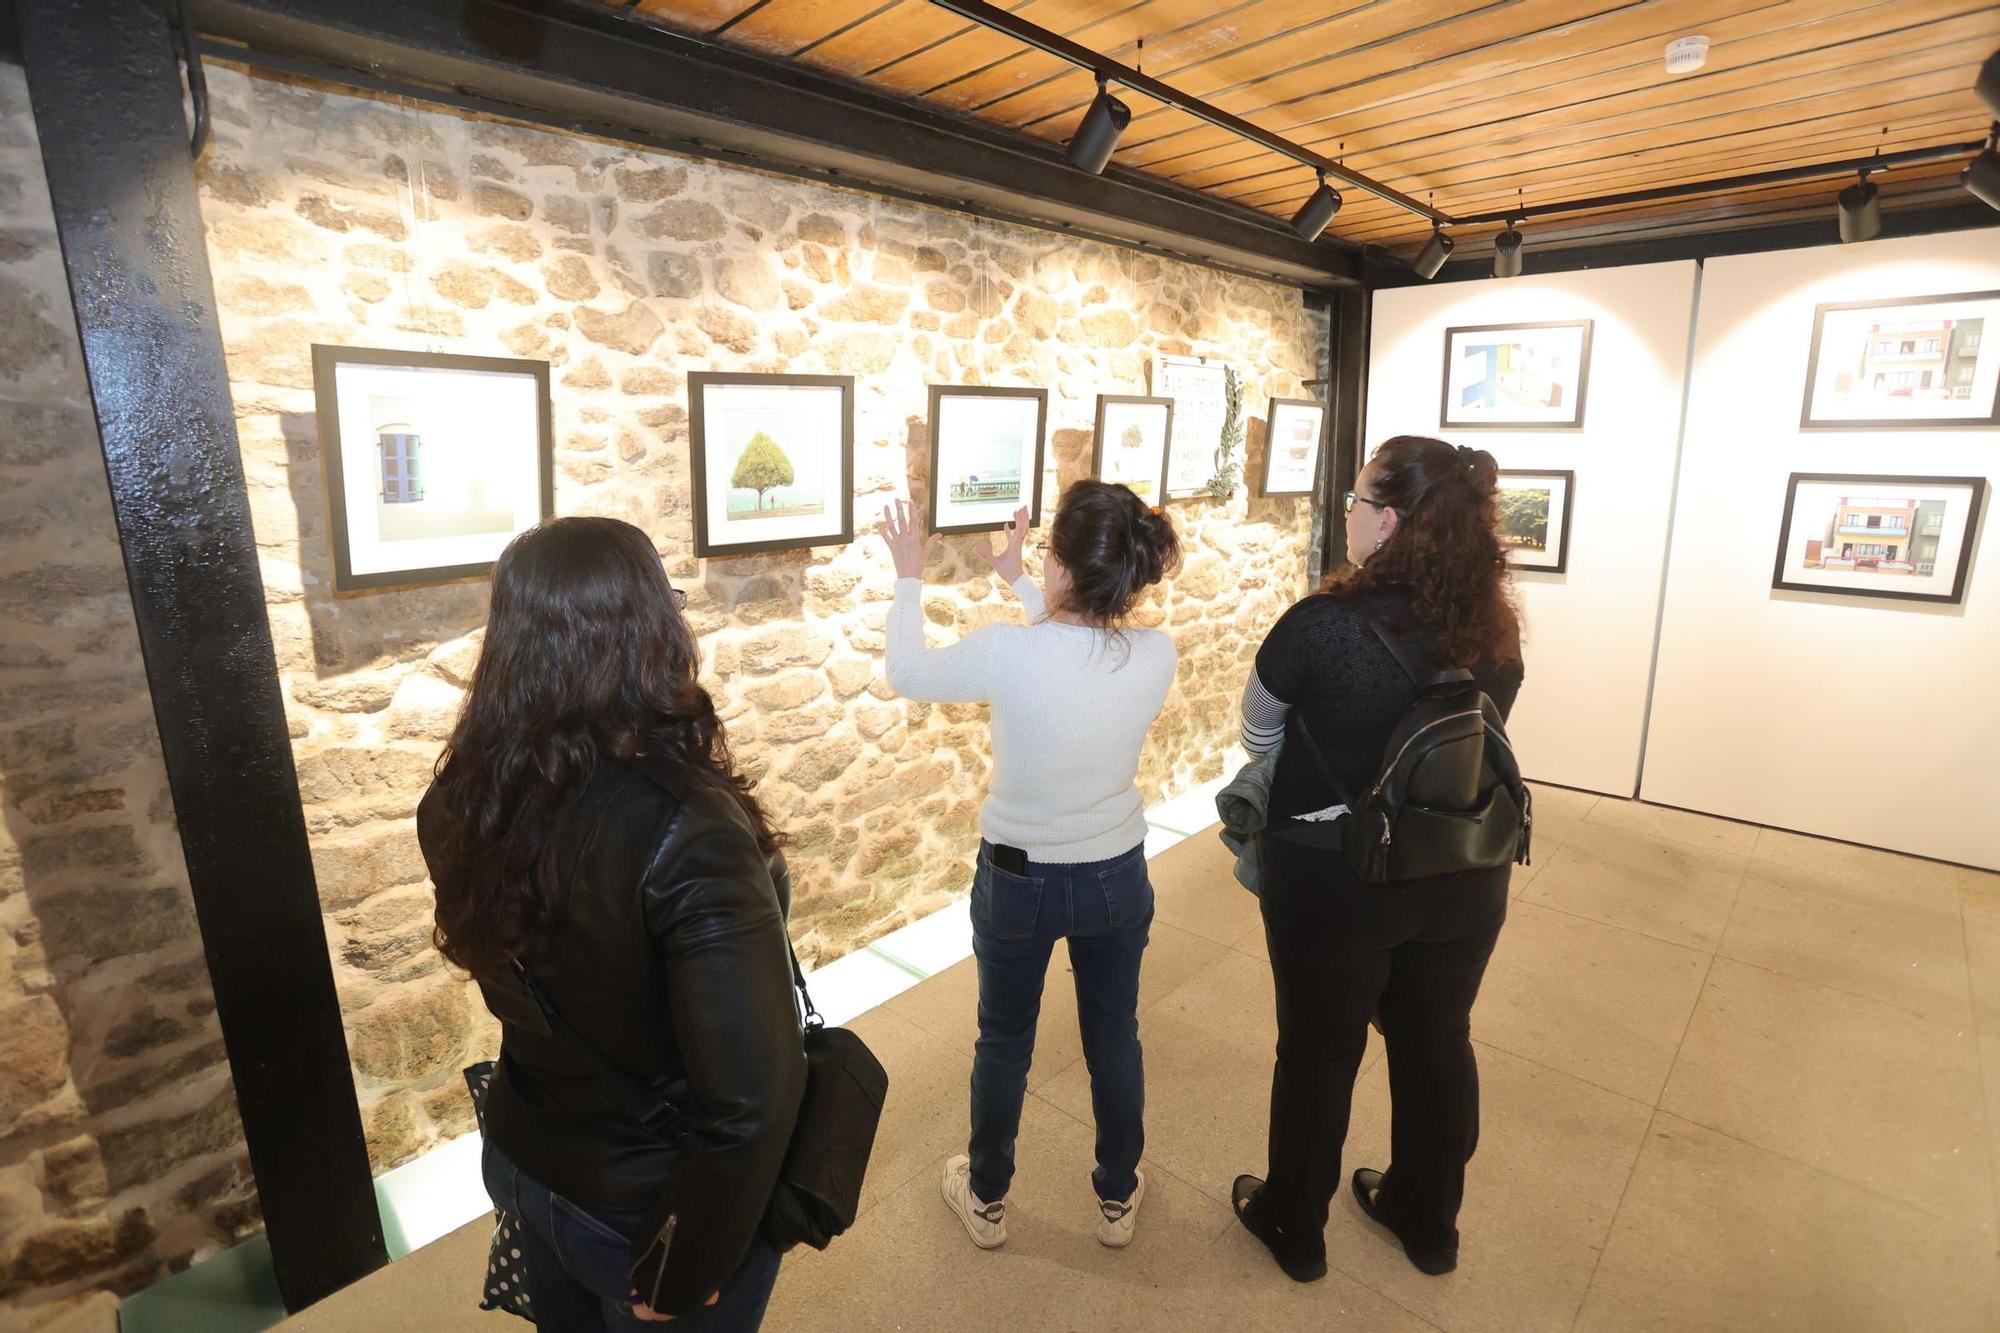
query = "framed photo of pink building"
{"x": 1921, "y": 362}
{"x": 1909, "y": 538}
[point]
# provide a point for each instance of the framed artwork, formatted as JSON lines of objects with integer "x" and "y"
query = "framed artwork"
{"x": 1909, "y": 538}
{"x": 986, "y": 456}
{"x": 773, "y": 461}
{"x": 1291, "y": 446}
{"x": 1534, "y": 518}
{"x": 1516, "y": 376}
{"x": 1200, "y": 397}
{"x": 1911, "y": 363}
{"x": 433, "y": 462}
{"x": 1131, "y": 443}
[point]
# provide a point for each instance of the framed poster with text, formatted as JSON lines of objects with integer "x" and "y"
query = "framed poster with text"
{"x": 1200, "y": 402}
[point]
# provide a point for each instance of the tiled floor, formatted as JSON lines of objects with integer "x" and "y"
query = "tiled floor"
{"x": 1732, "y": 1078}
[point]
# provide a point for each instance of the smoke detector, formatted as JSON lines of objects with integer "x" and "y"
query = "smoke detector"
{"x": 1686, "y": 54}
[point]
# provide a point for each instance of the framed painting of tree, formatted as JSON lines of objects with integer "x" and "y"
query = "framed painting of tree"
{"x": 773, "y": 461}
{"x": 1130, "y": 445}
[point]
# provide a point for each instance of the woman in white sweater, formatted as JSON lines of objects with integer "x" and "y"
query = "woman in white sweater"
{"x": 1063, "y": 828}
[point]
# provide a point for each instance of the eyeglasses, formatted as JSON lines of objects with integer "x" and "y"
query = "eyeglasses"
{"x": 1347, "y": 502}
{"x": 680, "y": 598}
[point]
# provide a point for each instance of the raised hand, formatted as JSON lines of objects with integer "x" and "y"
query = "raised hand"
{"x": 1007, "y": 563}
{"x": 909, "y": 550}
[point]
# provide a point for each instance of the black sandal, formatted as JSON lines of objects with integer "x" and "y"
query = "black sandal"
{"x": 1368, "y": 1184}
{"x": 1243, "y": 1196}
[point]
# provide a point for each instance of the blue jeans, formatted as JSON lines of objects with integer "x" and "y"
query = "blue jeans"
{"x": 1104, "y": 909}
{"x": 578, "y": 1264}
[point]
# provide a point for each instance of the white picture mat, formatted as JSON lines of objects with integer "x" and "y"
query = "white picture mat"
{"x": 1731, "y": 644}
{"x": 1137, "y": 468}
{"x": 1581, "y": 717}
{"x": 481, "y": 433}
{"x": 1200, "y": 393}
{"x": 1465, "y": 365}
{"x": 1294, "y": 427}
{"x": 969, "y": 422}
{"x": 732, "y": 414}
{"x": 1558, "y": 489}
{"x": 1843, "y": 339}
{"x": 1814, "y": 504}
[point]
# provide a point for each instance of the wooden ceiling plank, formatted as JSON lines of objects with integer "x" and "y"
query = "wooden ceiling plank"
{"x": 1513, "y": 69}
{"x": 698, "y": 16}
{"x": 917, "y": 69}
{"x": 1907, "y": 54}
{"x": 784, "y": 27}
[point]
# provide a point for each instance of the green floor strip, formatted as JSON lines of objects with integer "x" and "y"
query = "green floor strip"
{"x": 235, "y": 1291}
{"x": 899, "y": 964}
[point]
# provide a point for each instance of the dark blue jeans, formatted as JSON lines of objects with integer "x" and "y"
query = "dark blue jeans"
{"x": 579, "y": 1263}
{"x": 1104, "y": 909}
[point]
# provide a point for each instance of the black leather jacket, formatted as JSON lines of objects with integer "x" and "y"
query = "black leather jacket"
{"x": 670, "y": 959}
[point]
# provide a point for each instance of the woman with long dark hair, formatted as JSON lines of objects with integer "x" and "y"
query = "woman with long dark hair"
{"x": 1427, "y": 569}
{"x": 606, "y": 875}
{"x": 1063, "y": 828}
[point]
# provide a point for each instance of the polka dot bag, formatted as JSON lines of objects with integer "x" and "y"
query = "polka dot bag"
{"x": 506, "y": 1273}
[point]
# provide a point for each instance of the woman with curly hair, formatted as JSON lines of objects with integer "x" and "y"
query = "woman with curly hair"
{"x": 1429, "y": 571}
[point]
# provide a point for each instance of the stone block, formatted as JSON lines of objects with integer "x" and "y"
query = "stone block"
{"x": 252, "y": 295}
{"x": 567, "y": 213}
{"x": 569, "y": 278}
{"x": 850, "y": 675}
{"x": 867, "y": 304}
{"x": 790, "y": 690}
{"x": 821, "y": 229}
{"x": 728, "y": 329}
{"x": 72, "y": 1250}
{"x": 497, "y": 201}
{"x": 645, "y": 185}
{"x": 34, "y": 1052}
{"x": 681, "y": 220}
{"x": 368, "y": 287}
{"x": 456, "y": 660}
{"x": 277, "y": 239}
{"x": 358, "y": 692}
{"x": 508, "y": 240}
{"x": 774, "y": 650}
{"x": 393, "y": 1130}
{"x": 411, "y": 1032}
{"x": 860, "y": 352}
{"x": 372, "y": 772}
{"x": 822, "y": 763}
{"x": 351, "y": 868}
{"x": 748, "y": 283}
{"x": 784, "y": 727}
{"x": 536, "y": 148}
{"x": 73, "y": 1176}
{"x": 425, "y": 707}
{"x": 675, "y": 275}
{"x": 324, "y": 212}
{"x": 152, "y": 1147}
{"x": 633, "y": 330}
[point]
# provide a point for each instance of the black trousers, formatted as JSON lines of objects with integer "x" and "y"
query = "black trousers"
{"x": 1343, "y": 952}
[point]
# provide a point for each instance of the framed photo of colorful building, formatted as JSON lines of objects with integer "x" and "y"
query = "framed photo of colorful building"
{"x": 1534, "y": 518}
{"x": 433, "y": 462}
{"x": 1291, "y": 446}
{"x": 986, "y": 456}
{"x": 1130, "y": 446}
{"x": 773, "y": 461}
{"x": 1516, "y": 376}
{"x": 1909, "y": 538}
{"x": 1911, "y": 363}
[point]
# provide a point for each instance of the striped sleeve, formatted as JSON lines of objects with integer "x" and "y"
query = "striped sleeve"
{"x": 1263, "y": 717}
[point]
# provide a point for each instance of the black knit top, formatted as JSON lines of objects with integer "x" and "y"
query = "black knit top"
{"x": 1324, "y": 660}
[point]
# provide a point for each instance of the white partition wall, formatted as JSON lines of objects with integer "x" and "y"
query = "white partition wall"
{"x": 1872, "y": 720}
{"x": 1580, "y": 721}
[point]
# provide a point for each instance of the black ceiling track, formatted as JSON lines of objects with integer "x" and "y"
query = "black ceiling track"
{"x": 592, "y": 69}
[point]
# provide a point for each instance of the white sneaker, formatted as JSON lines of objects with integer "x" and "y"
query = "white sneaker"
{"x": 1120, "y": 1219}
{"x": 985, "y": 1222}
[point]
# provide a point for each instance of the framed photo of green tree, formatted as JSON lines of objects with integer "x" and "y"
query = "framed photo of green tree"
{"x": 1130, "y": 444}
{"x": 1534, "y": 519}
{"x": 773, "y": 461}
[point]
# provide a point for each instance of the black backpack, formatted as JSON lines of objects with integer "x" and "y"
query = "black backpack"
{"x": 1448, "y": 796}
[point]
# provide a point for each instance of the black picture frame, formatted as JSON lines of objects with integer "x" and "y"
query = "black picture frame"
{"x": 327, "y": 358}
{"x": 1588, "y": 327}
{"x": 1271, "y": 434}
{"x": 840, "y": 498}
{"x": 1820, "y": 312}
{"x": 1568, "y": 479}
{"x": 1105, "y": 400}
{"x": 940, "y": 392}
{"x": 1975, "y": 506}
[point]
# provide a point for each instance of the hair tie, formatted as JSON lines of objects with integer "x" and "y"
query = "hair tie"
{"x": 1466, "y": 456}
{"x": 1156, "y": 511}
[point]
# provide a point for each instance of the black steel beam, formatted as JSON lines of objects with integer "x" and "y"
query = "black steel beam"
{"x": 1031, "y": 34}
{"x": 105, "y": 88}
{"x": 588, "y": 68}
{"x": 1348, "y": 399}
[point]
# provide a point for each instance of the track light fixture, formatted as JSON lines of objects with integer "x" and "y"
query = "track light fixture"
{"x": 1507, "y": 252}
{"x": 1981, "y": 177}
{"x": 1860, "y": 211}
{"x": 1431, "y": 258}
{"x": 1316, "y": 212}
{"x": 1987, "y": 85}
{"x": 1091, "y": 146}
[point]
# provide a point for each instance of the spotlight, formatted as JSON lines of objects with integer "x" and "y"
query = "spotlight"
{"x": 1316, "y": 212}
{"x": 1507, "y": 253}
{"x": 1982, "y": 178}
{"x": 1090, "y": 148}
{"x": 1860, "y": 211}
{"x": 1431, "y": 258}
{"x": 1987, "y": 85}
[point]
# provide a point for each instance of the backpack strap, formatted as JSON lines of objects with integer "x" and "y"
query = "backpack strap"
{"x": 1422, "y": 669}
{"x": 649, "y": 1103}
{"x": 1296, "y": 721}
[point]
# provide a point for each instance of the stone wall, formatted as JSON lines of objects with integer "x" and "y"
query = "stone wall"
{"x": 121, "y": 1156}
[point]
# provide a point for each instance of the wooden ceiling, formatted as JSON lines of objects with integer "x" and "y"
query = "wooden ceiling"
{"x": 1469, "y": 104}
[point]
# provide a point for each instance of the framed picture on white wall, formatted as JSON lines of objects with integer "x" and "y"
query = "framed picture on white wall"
{"x": 773, "y": 461}
{"x": 1131, "y": 443}
{"x": 433, "y": 462}
{"x": 986, "y": 456}
{"x": 1534, "y": 518}
{"x": 1909, "y": 363}
{"x": 1861, "y": 535}
{"x": 1291, "y": 446}
{"x": 1516, "y": 376}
